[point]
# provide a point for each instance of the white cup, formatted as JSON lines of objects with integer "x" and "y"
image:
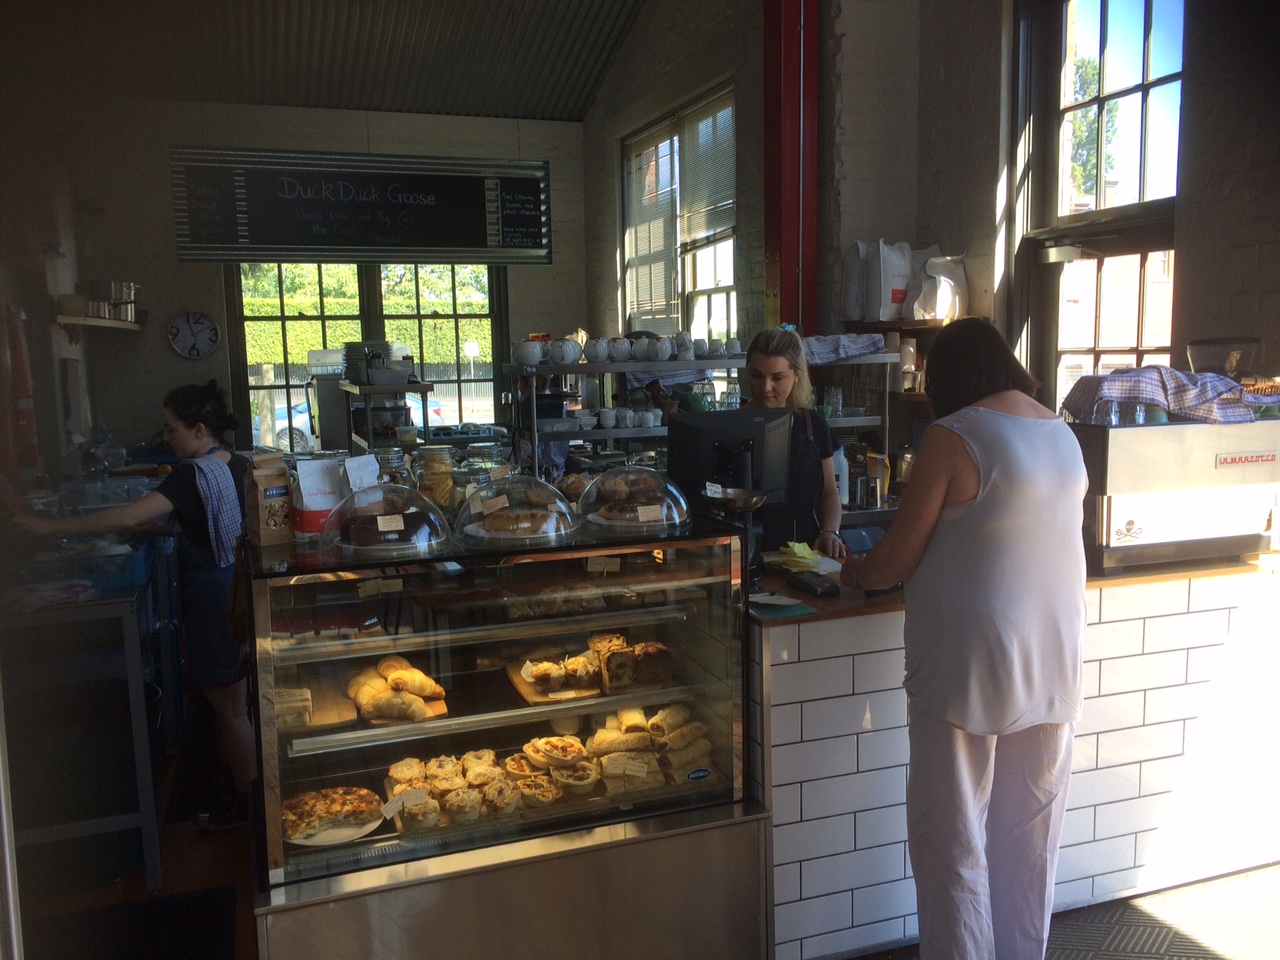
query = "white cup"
{"x": 660, "y": 348}
{"x": 733, "y": 346}
{"x": 608, "y": 417}
{"x": 645, "y": 418}
{"x": 531, "y": 352}
{"x": 684, "y": 340}
{"x": 619, "y": 348}
{"x": 699, "y": 347}
{"x": 715, "y": 348}
{"x": 626, "y": 418}
{"x": 596, "y": 350}
{"x": 640, "y": 349}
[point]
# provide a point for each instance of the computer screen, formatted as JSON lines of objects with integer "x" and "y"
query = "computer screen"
{"x": 734, "y": 448}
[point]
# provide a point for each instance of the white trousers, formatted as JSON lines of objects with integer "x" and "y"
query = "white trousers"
{"x": 984, "y": 815}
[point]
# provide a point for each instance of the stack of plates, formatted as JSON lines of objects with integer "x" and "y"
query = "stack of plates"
{"x": 355, "y": 355}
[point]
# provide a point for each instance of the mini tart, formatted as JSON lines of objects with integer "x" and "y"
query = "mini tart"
{"x": 478, "y": 758}
{"x": 443, "y": 767}
{"x": 560, "y": 751}
{"x": 480, "y": 777}
{"x": 441, "y": 787}
{"x": 502, "y": 797}
{"x": 548, "y": 677}
{"x": 580, "y": 778}
{"x": 539, "y": 791}
{"x": 418, "y": 815}
{"x": 463, "y": 805}
{"x": 519, "y": 766}
{"x": 535, "y": 755}
{"x": 580, "y": 672}
{"x": 410, "y": 768}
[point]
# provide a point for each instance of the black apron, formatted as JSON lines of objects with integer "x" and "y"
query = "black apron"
{"x": 796, "y": 519}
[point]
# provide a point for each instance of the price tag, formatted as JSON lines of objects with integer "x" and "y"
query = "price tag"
{"x": 615, "y": 765}
{"x": 636, "y": 768}
{"x": 562, "y": 694}
{"x": 471, "y": 488}
{"x": 392, "y": 807}
{"x": 500, "y": 471}
{"x": 392, "y": 585}
{"x": 369, "y": 588}
{"x": 650, "y": 513}
{"x": 495, "y": 503}
{"x": 474, "y": 503}
{"x": 416, "y": 796}
{"x": 603, "y": 564}
{"x": 389, "y": 522}
{"x": 714, "y": 490}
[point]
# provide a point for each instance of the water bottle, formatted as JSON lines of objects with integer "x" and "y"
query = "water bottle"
{"x": 840, "y": 465}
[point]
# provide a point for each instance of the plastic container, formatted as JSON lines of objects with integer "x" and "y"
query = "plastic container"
{"x": 515, "y": 511}
{"x": 632, "y": 500}
{"x": 840, "y": 465}
{"x": 386, "y": 522}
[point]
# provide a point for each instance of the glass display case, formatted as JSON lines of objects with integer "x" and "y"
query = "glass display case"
{"x": 431, "y": 707}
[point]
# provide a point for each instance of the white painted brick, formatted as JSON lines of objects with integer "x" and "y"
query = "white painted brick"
{"x": 883, "y": 748}
{"x": 1077, "y": 826}
{"x": 755, "y": 686}
{"x": 1135, "y": 600}
{"x": 786, "y": 883}
{"x": 878, "y": 671}
{"x": 1089, "y": 678}
{"x": 786, "y": 804}
{"x": 885, "y": 900}
{"x": 1130, "y": 816}
{"x": 1110, "y": 713}
{"x": 1073, "y": 893}
{"x": 883, "y": 825}
{"x": 1142, "y": 672}
{"x": 784, "y": 723}
{"x": 791, "y": 950}
{"x": 811, "y": 680}
{"x": 812, "y": 838}
{"x": 755, "y": 645}
{"x": 839, "y": 716}
{"x": 1140, "y": 743}
{"x": 1084, "y": 754}
{"x": 1123, "y": 638}
{"x": 807, "y": 918}
{"x": 912, "y": 926}
{"x": 797, "y": 762}
{"x": 1091, "y": 859}
{"x": 783, "y": 643}
{"x": 1117, "y": 884}
{"x": 1175, "y": 703}
{"x": 1102, "y": 786}
{"x": 860, "y": 791}
{"x": 844, "y": 943}
{"x": 1234, "y": 590}
{"x": 1144, "y": 842}
{"x": 1186, "y": 630}
{"x": 1092, "y": 605}
{"x": 835, "y": 638}
{"x": 848, "y": 871}
{"x": 1205, "y": 663}
{"x": 1163, "y": 775}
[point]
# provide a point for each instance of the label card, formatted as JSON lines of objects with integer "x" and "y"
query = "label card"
{"x": 650, "y": 513}
{"x": 474, "y": 503}
{"x": 714, "y": 490}
{"x": 636, "y": 768}
{"x": 615, "y": 765}
{"x": 392, "y": 807}
{"x": 390, "y": 522}
{"x": 471, "y": 488}
{"x": 412, "y": 797}
{"x": 500, "y": 471}
{"x": 604, "y": 564}
{"x": 494, "y": 504}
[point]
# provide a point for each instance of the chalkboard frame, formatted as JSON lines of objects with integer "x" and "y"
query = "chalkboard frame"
{"x": 254, "y": 206}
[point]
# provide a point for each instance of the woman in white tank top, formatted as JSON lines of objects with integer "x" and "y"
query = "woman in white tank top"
{"x": 987, "y": 542}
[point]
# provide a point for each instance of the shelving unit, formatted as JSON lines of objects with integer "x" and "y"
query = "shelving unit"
{"x": 365, "y": 391}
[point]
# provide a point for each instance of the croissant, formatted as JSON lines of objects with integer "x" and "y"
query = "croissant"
{"x": 415, "y": 681}
{"x": 395, "y": 705}
{"x": 358, "y": 681}
{"x": 369, "y": 689}
{"x": 387, "y": 665}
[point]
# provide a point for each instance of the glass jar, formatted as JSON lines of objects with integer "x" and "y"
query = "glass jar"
{"x": 435, "y": 476}
{"x": 392, "y": 468}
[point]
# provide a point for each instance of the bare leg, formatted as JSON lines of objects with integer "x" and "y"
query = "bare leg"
{"x": 235, "y": 732}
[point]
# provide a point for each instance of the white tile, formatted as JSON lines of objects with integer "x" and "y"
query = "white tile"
{"x": 1186, "y": 630}
{"x": 1084, "y": 754}
{"x": 1117, "y": 884}
{"x": 784, "y": 721}
{"x": 1091, "y": 859}
{"x": 1123, "y": 638}
{"x": 836, "y": 638}
{"x": 1130, "y": 816}
{"x": 1205, "y": 663}
{"x": 1135, "y": 600}
{"x": 1066, "y": 896}
{"x": 896, "y": 899}
{"x": 783, "y": 643}
{"x": 1142, "y": 672}
{"x": 883, "y": 748}
{"x": 1160, "y": 776}
{"x": 1143, "y": 844}
{"x": 860, "y": 791}
{"x": 1089, "y": 678}
{"x": 796, "y": 762}
{"x": 880, "y": 826}
{"x": 1233, "y": 590}
{"x": 786, "y": 804}
{"x": 838, "y": 716}
{"x": 848, "y": 871}
{"x": 786, "y": 883}
{"x": 1140, "y": 743}
{"x": 812, "y": 838}
{"x": 1113, "y": 712}
{"x": 811, "y": 680}
{"x": 1176, "y": 703}
{"x": 1077, "y": 826}
{"x": 1092, "y": 605}
{"x": 807, "y": 918}
{"x": 911, "y": 926}
{"x": 1102, "y": 786}
{"x": 843, "y": 943}
{"x": 788, "y": 951}
{"x": 878, "y": 671}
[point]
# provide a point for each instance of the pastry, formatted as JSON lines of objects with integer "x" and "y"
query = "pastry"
{"x": 311, "y": 813}
{"x": 369, "y": 689}
{"x": 389, "y": 664}
{"x": 580, "y": 778}
{"x": 528, "y": 521}
{"x": 614, "y": 785}
{"x": 410, "y": 768}
{"x": 535, "y": 755}
{"x": 419, "y": 816}
{"x": 519, "y": 766}
{"x": 395, "y": 705}
{"x": 699, "y": 749}
{"x": 681, "y": 736}
{"x": 501, "y": 797}
{"x": 540, "y": 791}
{"x": 478, "y": 776}
{"x": 478, "y": 758}
{"x": 564, "y": 726}
{"x": 443, "y": 767}
{"x": 572, "y": 485}
{"x": 548, "y": 677}
{"x": 668, "y": 719}
{"x": 606, "y": 741}
{"x": 463, "y": 805}
{"x": 441, "y": 787}
{"x": 601, "y": 643}
{"x": 632, "y": 720}
{"x": 617, "y": 669}
{"x": 653, "y": 663}
{"x": 416, "y": 682}
{"x": 560, "y": 751}
{"x": 580, "y": 672}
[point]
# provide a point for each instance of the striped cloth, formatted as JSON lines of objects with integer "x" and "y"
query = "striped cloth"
{"x": 221, "y": 506}
{"x": 841, "y": 346}
{"x": 1206, "y": 397}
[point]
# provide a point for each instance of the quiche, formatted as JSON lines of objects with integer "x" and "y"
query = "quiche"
{"x": 560, "y": 751}
{"x": 314, "y": 812}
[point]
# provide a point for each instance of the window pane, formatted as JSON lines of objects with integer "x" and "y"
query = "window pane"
{"x": 1157, "y": 295}
{"x": 720, "y": 316}
{"x": 476, "y": 341}
{"x": 704, "y": 269}
{"x": 399, "y": 289}
{"x": 341, "y": 290}
{"x": 1077, "y": 299}
{"x": 1156, "y": 360}
{"x": 1078, "y": 169}
{"x": 1161, "y": 150}
{"x": 446, "y": 395}
{"x": 260, "y": 289}
{"x": 1080, "y": 59}
{"x": 435, "y": 289}
{"x": 439, "y": 352}
{"x": 406, "y": 332}
{"x": 1122, "y": 61}
{"x": 1122, "y": 150}
{"x": 264, "y": 351}
{"x": 1118, "y": 310}
{"x": 292, "y": 421}
{"x": 1110, "y": 362}
{"x": 724, "y": 263}
{"x": 1071, "y": 367}
{"x": 477, "y": 403}
{"x": 473, "y": 288}
{"x": 301, "y": 289}
{"x": 339, "y": 332}
{"x": 263, "y": 405}
{"x": 1165, "y": 53}
{"x": 698, "y": 321}
{"x": 304, "y": 335}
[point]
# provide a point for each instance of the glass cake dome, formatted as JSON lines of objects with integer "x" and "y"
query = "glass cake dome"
{"x": 386, "y": 522}
{"x": 632, "y": 500}
{"x": 515, "y": 511}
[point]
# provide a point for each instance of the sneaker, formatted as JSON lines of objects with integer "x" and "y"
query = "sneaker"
{"x": 227, "y": 815}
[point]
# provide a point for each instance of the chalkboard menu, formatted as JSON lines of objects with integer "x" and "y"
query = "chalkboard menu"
{"x": 248, "y": 206}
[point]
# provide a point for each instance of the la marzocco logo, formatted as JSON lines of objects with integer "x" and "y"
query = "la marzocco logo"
{"x": 1243, "y": 459}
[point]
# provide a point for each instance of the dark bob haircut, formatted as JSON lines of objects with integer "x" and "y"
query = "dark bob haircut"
{"x": 969, "y": 360}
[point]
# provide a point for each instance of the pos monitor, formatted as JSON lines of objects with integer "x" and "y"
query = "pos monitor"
{"x": 746, "y": 449}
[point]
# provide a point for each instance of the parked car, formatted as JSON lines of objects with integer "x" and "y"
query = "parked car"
{"x": 299, "y": 430}
{"x": 434, "y": 417}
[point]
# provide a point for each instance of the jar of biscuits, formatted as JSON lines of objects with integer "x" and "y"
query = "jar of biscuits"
{"x": 435, "y": 476}
{"x": 392, "y": 467}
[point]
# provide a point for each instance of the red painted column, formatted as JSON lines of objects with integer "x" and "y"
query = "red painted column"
{"x": 791, "y": 162}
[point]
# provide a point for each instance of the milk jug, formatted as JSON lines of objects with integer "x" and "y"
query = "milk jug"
{"x": 840, "y": 466}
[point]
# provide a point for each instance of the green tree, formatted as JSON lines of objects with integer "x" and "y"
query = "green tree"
{"x": 1084, "y": 129}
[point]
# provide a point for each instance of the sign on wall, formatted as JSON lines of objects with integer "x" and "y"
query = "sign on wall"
{"x": 249, "y": 206}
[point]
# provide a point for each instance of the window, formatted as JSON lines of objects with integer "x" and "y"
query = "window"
{"x": 679, "y": 188}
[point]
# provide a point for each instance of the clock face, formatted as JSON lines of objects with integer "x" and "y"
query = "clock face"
{"x": 194, "y": 335}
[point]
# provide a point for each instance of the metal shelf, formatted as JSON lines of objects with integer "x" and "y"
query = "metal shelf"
{"x": 630, "y": 366}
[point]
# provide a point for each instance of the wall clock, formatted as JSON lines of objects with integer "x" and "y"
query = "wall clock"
{"x": 193, "y": 334}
